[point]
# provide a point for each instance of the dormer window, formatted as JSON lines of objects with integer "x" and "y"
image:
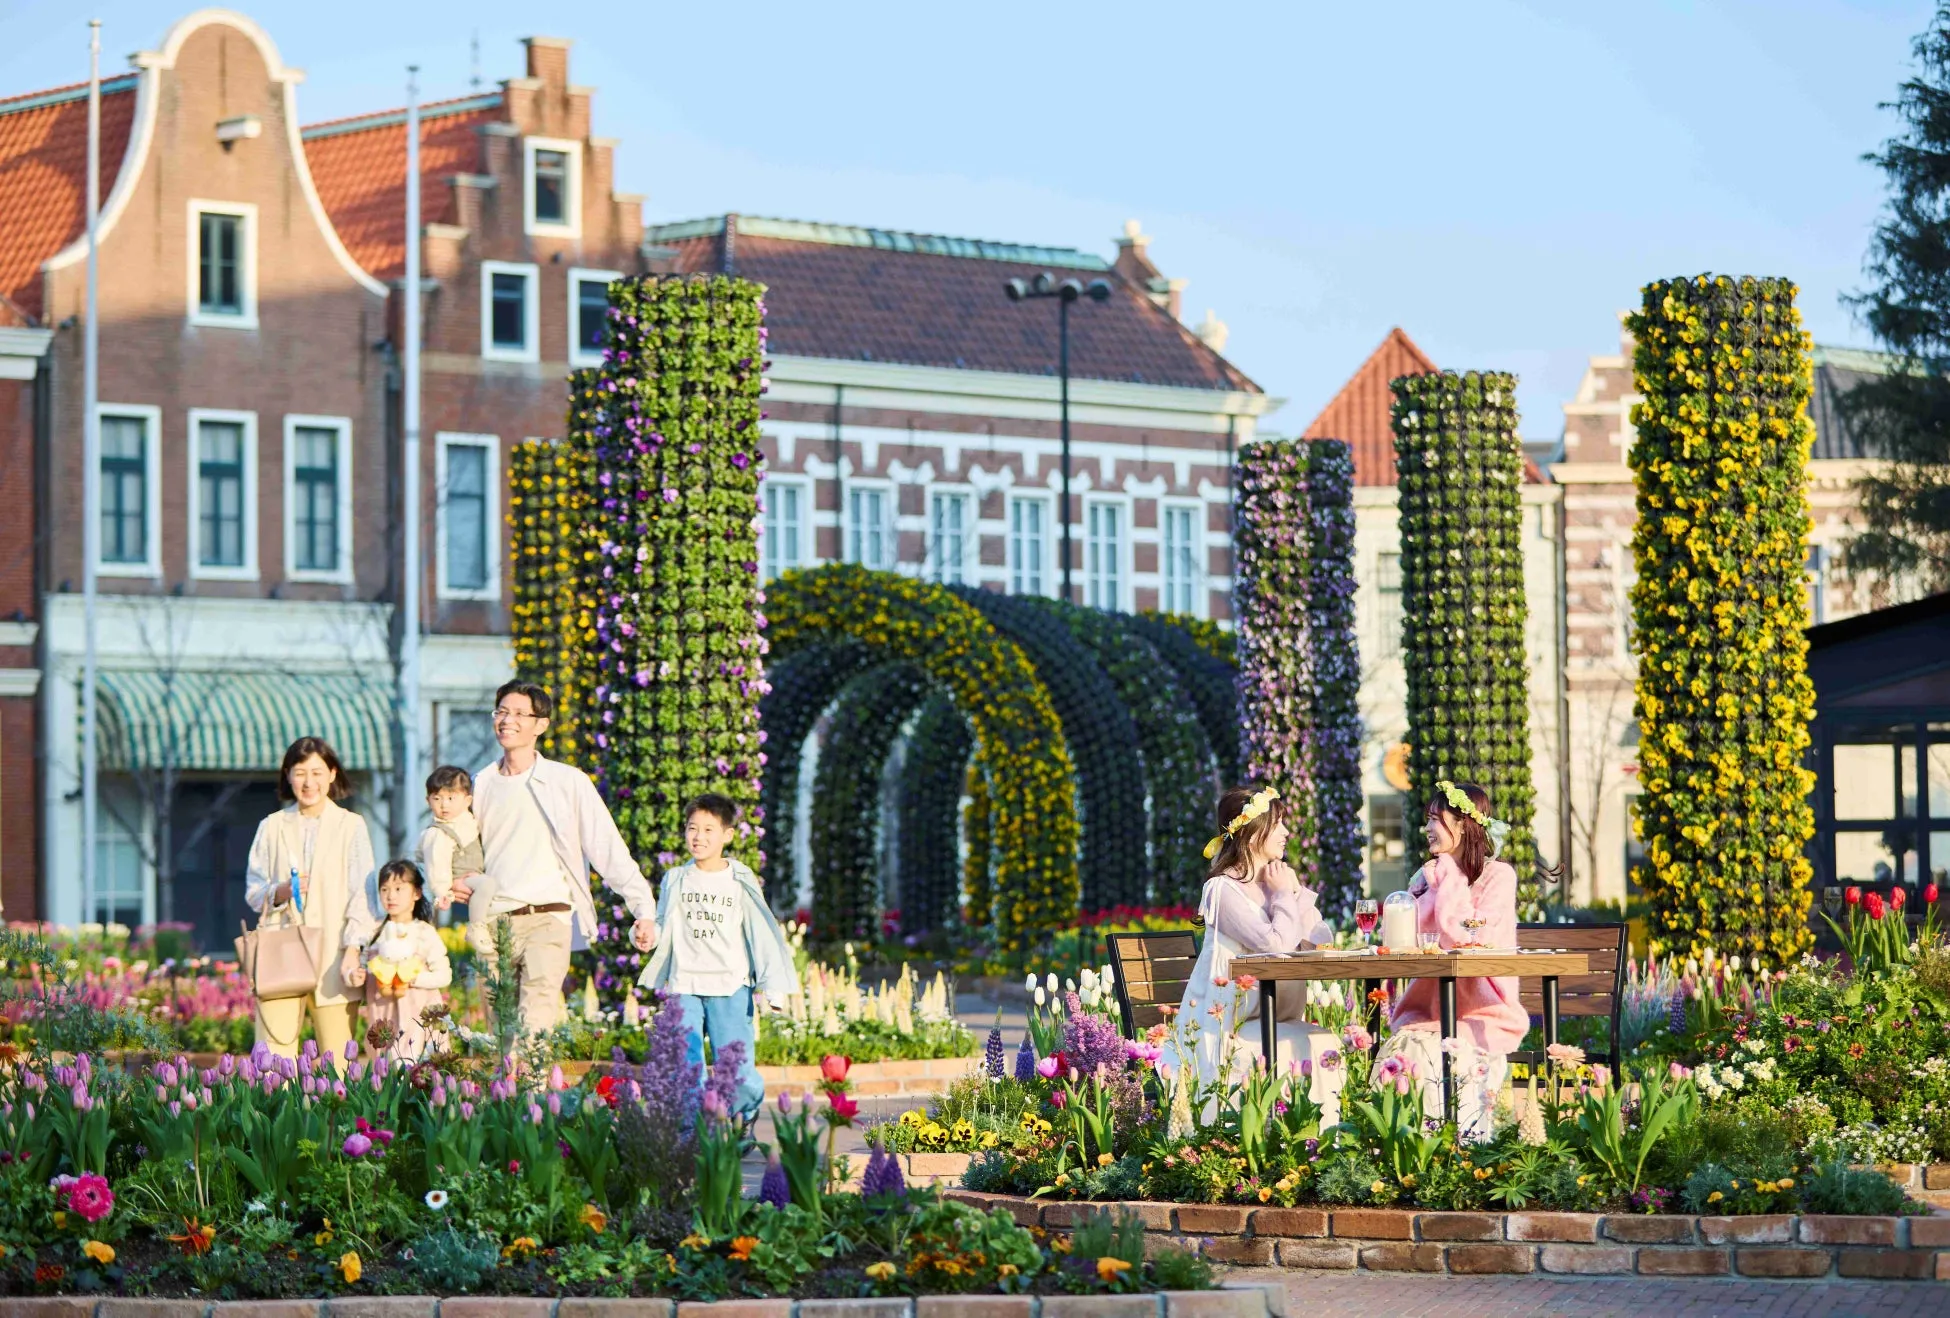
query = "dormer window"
{"x": 553, "y": 175}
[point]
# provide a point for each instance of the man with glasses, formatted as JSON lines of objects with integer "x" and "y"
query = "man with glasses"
{"x": 543, "y": 829}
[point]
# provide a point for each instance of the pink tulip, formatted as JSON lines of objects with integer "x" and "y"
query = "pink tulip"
{"x": 356, "y": 1145}
{"x": 785, "y": 1103}
{"x": 1046, "y": 1067}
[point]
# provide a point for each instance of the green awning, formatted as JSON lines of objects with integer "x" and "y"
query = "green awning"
{"x": 236, "y": 722}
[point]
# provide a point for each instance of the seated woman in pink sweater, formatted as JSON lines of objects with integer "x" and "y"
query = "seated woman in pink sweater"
{"x": 1464, "y": 897}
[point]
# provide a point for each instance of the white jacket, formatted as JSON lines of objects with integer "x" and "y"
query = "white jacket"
{"x": 585, "y": 839}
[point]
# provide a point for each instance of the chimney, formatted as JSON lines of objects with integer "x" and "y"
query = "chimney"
{"x": 1133, "y": 265}
{"x": 548, "y": 59}
{"x": 1212, "y": 332}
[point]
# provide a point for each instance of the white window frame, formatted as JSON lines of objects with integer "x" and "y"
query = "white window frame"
{"x": 200, "y": 571}
{"x": 806, "y": 556}
{"x": 531, "y": 351}
{"x": 246, "y": 265}
{"x": 971, "y": 536}
{"x": 342, "y": 575}
{"x": 1200, "y": 589}
{"x": 578, "y": 355}
{"x": 443, "y": 442}
{"x": 151, "y": 564}
{"x": 1121, "y": 504}
{"x": 571, "y": 225}
{"x": 1388, "y": 618}
{"x": 1049, "y": 567}
{"x": 889, "y": 536}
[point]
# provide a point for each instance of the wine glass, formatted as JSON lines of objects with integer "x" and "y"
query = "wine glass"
{"x": 1366, "y": 912}
{"x": 1831, "y": 898}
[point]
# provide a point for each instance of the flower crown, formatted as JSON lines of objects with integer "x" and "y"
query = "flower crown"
{"x": 1262, "y": 800}
{"x": 1459, "y": 802}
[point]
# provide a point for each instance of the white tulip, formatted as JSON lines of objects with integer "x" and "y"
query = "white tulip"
{"x": 1104, "y": 974}
{"x": 1733, "y": 964}
{"x": 1029, "y": 985}
{"x": 1052, "y": 981}
{"x": 1088, "y": 977}
{"x": 1069, "y": 986}
{"x": 1042, "y": 998}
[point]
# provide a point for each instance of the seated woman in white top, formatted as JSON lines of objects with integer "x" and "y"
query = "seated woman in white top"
{"x": 1253, "y": 903}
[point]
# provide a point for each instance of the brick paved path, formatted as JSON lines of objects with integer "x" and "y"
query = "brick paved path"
{"x": 1371, "y": 1295}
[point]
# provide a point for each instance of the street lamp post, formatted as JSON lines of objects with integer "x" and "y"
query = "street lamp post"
{"x": 1045, "y": 285}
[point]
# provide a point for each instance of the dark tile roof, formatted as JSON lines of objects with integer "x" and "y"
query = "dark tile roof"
{"x": 921, "y": 300}
{"x": 1837, "y": 370}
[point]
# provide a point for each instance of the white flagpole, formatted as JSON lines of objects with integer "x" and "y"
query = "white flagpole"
{"x": 412, "y": 582}
{"x": 91, "y": 477}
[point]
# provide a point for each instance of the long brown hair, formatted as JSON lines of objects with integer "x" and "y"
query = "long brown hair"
{"x": 1472, "y": 851}
{"x": 1235, "y": 851}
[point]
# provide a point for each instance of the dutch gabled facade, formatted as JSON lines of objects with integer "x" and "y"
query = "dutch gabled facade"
{"x": 252, "y": 445}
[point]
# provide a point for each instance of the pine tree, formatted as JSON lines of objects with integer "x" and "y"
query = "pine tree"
{"x": 1903, "y": 416}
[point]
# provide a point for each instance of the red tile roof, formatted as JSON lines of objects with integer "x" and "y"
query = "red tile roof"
{"x": 921, "y": 300}
{"x": 43, "y": 180}
{"x": 359, "y": 167}
{"x": 1359, "y": 413}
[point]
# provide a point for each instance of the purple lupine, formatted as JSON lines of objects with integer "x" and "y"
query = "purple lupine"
{"x": 883, "y": 1174}
{"x": 1676, "y": 1012}
{"x": 992, "y": 1054}
{"x": 722, "y": 1083}
{"x": 1025, "y": 1062}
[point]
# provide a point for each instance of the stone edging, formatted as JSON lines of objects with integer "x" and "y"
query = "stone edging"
{"x": 1241, "y": 1300}
{"x": 1401, "y": 1240}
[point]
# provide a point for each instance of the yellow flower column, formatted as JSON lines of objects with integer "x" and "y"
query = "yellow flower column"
{"x": 1724, "y": 699}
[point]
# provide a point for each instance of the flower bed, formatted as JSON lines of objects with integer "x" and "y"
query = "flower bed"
{"x": 1394, "y": 1240}
{"x": 1237, "y": 1300}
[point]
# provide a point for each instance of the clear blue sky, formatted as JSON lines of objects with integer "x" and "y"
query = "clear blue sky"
{"x": 1496, "y": 177}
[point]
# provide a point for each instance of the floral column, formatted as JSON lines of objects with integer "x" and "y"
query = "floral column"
{"x": 1460, "y": 476}
{"x": 669, "y": 430}
{"x": 1720, "y": 607}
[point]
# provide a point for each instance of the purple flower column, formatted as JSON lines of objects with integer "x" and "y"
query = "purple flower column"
{"x": 1336, "y": 662}
{"x": 1269, "y": 593}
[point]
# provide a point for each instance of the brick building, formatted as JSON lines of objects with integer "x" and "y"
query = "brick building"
{"x": 251, "y": 446}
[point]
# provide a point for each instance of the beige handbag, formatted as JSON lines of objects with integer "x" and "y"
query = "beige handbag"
{"x": 280, "y": 957}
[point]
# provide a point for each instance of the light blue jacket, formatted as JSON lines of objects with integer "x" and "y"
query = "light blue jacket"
{"x": 772, "y": 971}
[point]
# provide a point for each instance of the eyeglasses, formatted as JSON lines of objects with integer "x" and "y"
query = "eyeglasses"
{"x": 510, "y": 715}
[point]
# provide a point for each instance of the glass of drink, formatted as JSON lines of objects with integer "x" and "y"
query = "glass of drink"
{"x": 1366, "y": 911}
{"x": 1831, "y": 898}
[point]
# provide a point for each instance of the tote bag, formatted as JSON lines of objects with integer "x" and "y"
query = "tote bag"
{"x": 280, "y": 957}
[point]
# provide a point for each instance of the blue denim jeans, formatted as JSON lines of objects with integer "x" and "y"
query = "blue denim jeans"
{"x": 727, "y": 1019}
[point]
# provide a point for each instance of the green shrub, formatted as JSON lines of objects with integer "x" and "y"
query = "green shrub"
{"x": 453, "y": 1262}
{"x": 1349, "y": 1176}
{"x": 1836, "y": 1187}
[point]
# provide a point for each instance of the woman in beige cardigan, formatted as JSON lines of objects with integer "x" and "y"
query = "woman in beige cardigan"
{"x": 329, "y": 851}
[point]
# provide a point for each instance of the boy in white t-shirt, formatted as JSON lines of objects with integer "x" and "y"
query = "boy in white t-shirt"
{"x": 720, "y": 950}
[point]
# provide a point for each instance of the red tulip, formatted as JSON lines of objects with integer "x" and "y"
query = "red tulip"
{"x": 1929, "y": 894}
{"x": 1873, "y": 905}
{"x": 833, "y": 1068}
{"x": 1852, "y": 895}
{"x": 606, "y": 1090}
{"x": 844, "y": 1109}
{"x": 1897, "y": 896}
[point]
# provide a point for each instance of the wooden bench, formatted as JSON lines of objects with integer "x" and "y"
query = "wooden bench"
{"x": 1599, "y": 993}
{"x": 1149, "y": 971}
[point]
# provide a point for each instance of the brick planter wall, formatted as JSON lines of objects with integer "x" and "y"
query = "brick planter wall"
{"x": 1406, "y": 1240}
{"x": 1247, "y": 1300}
{"x": 877, "y": 1079}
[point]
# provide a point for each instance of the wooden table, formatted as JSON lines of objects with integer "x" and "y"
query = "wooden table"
{"x": 1448, "y": 967}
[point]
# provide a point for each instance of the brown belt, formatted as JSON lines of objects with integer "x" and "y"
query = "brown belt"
{"x": 547, "y": 908}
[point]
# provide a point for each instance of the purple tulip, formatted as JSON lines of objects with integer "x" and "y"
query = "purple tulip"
{"x": 466, "y": 1110}
{"x": 338, "y": 1089}
{"x": 351, "y": 1049}
{"x": 225, "y": 1065}
{"x": 555, "y": 1105}
{"x": 534, "y": 1114}
{"x": 357, "y": 1145}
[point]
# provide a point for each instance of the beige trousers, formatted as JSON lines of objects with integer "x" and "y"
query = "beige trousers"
{"x": 279, "y": 1023}
{"x": 542, "y": 948}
